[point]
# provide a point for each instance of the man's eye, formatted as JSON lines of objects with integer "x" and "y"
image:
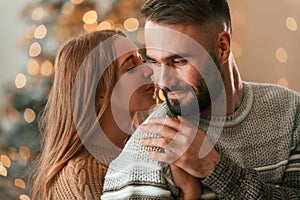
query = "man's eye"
{"x": 179, "y": 62}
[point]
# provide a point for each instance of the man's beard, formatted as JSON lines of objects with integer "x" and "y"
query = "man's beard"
{"x": 203, "y": 95}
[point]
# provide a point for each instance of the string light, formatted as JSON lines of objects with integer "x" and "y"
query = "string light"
{"x": 47, "y": 68}
{"x": 12, "y": 153}
{"x": 291, "y": 24}
{"x": 24, "y": 197}
{"x": 90, "y": 17}
{"x": 37, "y": 14}
{"x": 283, "y": 82}
{"x": 20, "y": 81}
{"x": 5, "y": 161}
{"x": 90, "y": 27}
{"x": 30, "y": 32}
{"x": 33, "y": 67}
{"x": 104, "y": 25}
{"x": 29, "y": 115}
{"x": 19, "y": 183}
{"x": 24, "y": 152}
{"x": 281, "y": 55}
{"x": 3, "y": 171}
{"x": 40, "y": 32}
{"x": 35, "y": 49}
{"x": 77, "y": 1}
{"x": 131, "y": 24}
{"x": 161, "y": 95}
{"x": 13, "y": 114}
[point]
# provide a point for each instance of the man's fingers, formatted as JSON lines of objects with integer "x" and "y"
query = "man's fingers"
{"x": 155, "y": 142}
{"x": 160, "y": 129}
{"x": 162, "y": 157}
{"x": 172, "y": 123}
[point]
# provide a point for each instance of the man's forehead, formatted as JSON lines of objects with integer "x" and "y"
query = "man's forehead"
{"x": 170, "y": 39}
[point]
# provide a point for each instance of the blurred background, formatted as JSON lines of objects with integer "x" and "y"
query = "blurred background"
{"x": 266, "y": 41}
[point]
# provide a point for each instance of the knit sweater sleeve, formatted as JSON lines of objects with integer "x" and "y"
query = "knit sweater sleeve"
{"x": 81, "y": 178}
{"x": 230, "y": 181}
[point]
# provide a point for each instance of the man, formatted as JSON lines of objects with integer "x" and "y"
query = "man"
{"x": 253, "y": 150}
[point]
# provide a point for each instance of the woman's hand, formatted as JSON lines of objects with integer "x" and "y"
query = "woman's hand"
{"x": 190, "y": 185}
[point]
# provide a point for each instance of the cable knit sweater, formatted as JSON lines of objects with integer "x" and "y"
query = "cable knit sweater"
{"x": 259, "y": 153}
{"x": 81, "y": 178}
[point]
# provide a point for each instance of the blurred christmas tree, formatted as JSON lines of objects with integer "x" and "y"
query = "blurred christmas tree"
{"x": 51, "y": 22}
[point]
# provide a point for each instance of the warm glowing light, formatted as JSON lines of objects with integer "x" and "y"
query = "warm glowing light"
{"x": 29, "y": 115}
{"x": 77, "y": 1}
{"x": 40, "y": 32}
{"x": 291, "y": 24}
{"x": 283, "y": 82}
{"x": 47, "y": 68}
{"x": 37, "y": 14}
{"x": 30, "y": 32}
{"x": 33, "y": 67}
{"x": 20, "y": 80}
{"x": 161, "y": 95}
{"x": 90, "y": 27}
{"x": 237, "y": 50}
{"x": 104, "y": 25}
{"x": 90, "y": 17}
{"x": 24, "y": 152}
{"x": 19, "y": 183}
{"x": 5, "y": 161}
{"x": 24, "y": 197}
{"x": 12, "y": 153}
{"x": 131, "y": 24}
{"x": 35, "y": 49}
{"x": 281, "y": 55}
{"x": 3, "y": 171}
{"x": 13, "y": 114}
{"x": 140, "y": 37}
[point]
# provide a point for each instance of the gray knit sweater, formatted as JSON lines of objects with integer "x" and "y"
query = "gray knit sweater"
{"x": 259, "y": 153}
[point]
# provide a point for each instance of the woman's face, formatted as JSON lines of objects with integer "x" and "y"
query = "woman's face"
{"x": 134, "y": 90}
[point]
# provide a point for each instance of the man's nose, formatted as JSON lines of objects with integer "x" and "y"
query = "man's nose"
{"x": 168, "y": 77}
{"x": 147, "y": 71}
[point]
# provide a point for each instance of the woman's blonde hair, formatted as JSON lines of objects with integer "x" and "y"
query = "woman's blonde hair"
{"x": 59, "y": 135}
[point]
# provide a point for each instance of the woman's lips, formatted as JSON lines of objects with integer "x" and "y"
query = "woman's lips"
{"x": 150, "y": 89}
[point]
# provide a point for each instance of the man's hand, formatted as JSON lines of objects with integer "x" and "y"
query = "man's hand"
{"x": 190, "y": 185}
{"x": 182, "y": 142}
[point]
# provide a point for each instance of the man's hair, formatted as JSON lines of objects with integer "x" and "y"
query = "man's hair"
{"x": 200, "y": 12}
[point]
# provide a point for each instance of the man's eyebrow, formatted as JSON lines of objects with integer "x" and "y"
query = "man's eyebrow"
{"x": 171, "y": 57}
{"x": 174, "y": 56}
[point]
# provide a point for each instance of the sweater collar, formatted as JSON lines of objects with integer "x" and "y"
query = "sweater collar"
{"x": 238, "y": 116}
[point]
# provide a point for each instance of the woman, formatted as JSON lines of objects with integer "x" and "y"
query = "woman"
{"x": 89, "y": 113}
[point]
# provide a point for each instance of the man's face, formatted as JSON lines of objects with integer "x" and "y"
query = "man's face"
{"x": 186, "y": 73}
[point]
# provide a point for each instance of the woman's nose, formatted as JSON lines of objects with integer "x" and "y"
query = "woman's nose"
{"x": 148, "y": 72}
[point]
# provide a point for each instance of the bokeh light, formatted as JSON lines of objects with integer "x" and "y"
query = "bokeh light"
{"x": 3, "y": 171}
{"x": 5, "y": 161}
{"x": 12, "y": 153}
{"x": 281, "y": 55}
{"x": 131, "y": 24}
{"x": 24, "y": 152}
{"x": 40, "y": 32}
{"x": 283, "y": 82}
{"x": 291, "y": 24}
{"x": 29, "y": 115}
{"x": 35, "y": 49}
{"x": 47, "y": 68}
{"x": 24, "y": 197}
{"x": 77, "y": 1}
{"x": 90, "y": 17}
{"x": 161, "y": 95}
{"x": 37, "y": 14}
{"x": 104, "y": 25}
{"x": 33, "y": 67}
{"x": 13, "y": 114}
{"x": 20, "y": 80}
{"x": 19, "y": 183}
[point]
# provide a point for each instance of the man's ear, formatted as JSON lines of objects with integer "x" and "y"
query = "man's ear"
{"x": 223, "y": 46}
